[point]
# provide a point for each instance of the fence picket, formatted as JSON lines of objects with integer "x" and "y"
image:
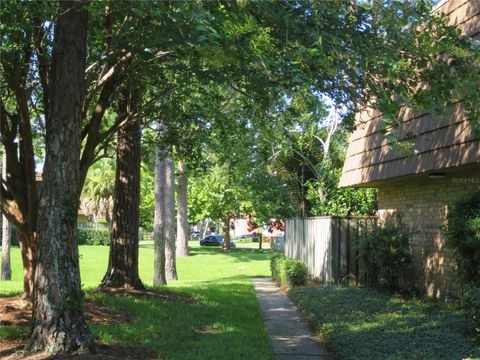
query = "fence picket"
{"x": 327, "y": 245}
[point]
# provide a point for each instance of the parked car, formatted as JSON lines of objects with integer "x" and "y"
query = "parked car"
{"x": 214, "y": 240}
{"x": 195, "y": 234}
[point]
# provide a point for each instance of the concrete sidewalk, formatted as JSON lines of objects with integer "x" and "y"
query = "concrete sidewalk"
{"x": 290, "y": 336}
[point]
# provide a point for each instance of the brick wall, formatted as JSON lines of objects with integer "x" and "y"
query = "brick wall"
{"x": 422, "y": 204}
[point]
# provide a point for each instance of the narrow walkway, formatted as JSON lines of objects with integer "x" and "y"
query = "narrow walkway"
{"x": 290, "y": 336}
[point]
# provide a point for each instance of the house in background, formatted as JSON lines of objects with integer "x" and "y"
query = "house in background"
{"x": 90, "y": 214}
{"x": 417, "y": 187}
{"x": 241, "y": 229}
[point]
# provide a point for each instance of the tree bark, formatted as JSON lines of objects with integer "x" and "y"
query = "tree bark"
{"x": 226, "y": 233}
{"x": 169, "y": 223}
{"x": 122, "y": 271}
{"x": 182, "y": 219}
{"x": 28, "y": 251}
{"x": 58, "y": 324}
{"x": 159, "y": 277}
{"x": 6, "y": 268}
{"x": 19, "y": 189}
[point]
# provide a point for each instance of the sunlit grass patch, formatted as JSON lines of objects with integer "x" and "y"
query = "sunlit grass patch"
{"x": 222, "y": 321}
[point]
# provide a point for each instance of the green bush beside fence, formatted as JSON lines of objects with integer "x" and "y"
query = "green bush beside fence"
{"x": 289, "y": 272}
{"x": 93, "y": 237}
{"x": 463, "y": 237}
{"x": 386, "y": 257}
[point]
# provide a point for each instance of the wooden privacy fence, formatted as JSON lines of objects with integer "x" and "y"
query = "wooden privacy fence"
{"x": 327, "y": 244}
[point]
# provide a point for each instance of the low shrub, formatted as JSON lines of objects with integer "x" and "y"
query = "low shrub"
{"x": 93, "y": 237}
{"x": 296, "y": 272}
{"x": 385, "y": 257}
{"x": 463, "y": 237}
{"x": 462, "y": 233}
{"x": 289, "y": 272}
{"x": 275, "y": 261}
{"x": 471, "y": 302}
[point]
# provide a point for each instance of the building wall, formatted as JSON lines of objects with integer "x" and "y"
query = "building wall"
{"x": 241, "y": 227}
{"x": 421, "y": 203}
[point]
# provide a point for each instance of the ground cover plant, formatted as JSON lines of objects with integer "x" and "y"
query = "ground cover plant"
{"x": 215, "y": 314}
{"x": 360, "y": 323}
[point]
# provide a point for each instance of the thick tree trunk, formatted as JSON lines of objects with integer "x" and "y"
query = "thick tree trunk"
{"x": 19, "y": 188}
{"x": 6, "y": 268}
{"x": 123, "y": 258}
{"x": 226, "y": 233}
{"x": 182, "y": 219}
{"x": 58, "y": 324}
{"x": 159, "y": 277}
{"x": 170, "y": 219}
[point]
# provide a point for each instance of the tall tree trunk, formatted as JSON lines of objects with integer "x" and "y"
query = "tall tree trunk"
{"x": 28, "y": 251}
{"x": 205, "y": 229}
{"x": 170, "y": 220}
{"x": 6, "y": 268}
{"x": 58, "y": 324}
{"x": 159, "y": 277}
{"x": 226, "y": 233}
{"x": 182, "y": 219}
{"x": 19, "y": 189}
{"x": 123, "y": 258}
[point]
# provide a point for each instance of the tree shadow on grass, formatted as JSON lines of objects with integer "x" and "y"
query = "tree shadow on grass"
{"x": 224, "y": 322}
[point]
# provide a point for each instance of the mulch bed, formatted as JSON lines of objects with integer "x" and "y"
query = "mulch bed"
{"x": 17, "y": 312}
{"x": 12, "y": 350}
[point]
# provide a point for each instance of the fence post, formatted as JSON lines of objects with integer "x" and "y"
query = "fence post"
{"x": 357, "y": 259}
{"x": 339, "y": 249}
{"x": 348, "y": 247}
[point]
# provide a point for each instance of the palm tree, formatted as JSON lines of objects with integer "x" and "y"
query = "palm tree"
{"x": 99, "y": 186}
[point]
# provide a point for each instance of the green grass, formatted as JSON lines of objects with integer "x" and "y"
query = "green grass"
{"x": 225, "y": 321}
{"x": 244, "y": 244}
{"x": 360, "y": 323}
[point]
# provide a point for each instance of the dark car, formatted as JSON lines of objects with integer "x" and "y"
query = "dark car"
{"x": 214, "y": 240}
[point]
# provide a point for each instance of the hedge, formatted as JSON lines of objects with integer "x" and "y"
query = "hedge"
{"x": 463, "y": 237}
{"x": 93, "y": 237}
{"x": 288, "y": 272}
{"x": 386, "y": 257}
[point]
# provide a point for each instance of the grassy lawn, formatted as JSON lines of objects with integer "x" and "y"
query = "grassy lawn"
{"x": 224, "y": 322}
{"x": 360, "y": 323}
{"x": 240, "y": 245}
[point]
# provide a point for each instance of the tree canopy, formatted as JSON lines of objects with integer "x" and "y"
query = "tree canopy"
{"x": 243, "y": 89}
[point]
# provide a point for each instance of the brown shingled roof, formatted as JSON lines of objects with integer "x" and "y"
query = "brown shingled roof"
{"x": 436, "y": 143}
